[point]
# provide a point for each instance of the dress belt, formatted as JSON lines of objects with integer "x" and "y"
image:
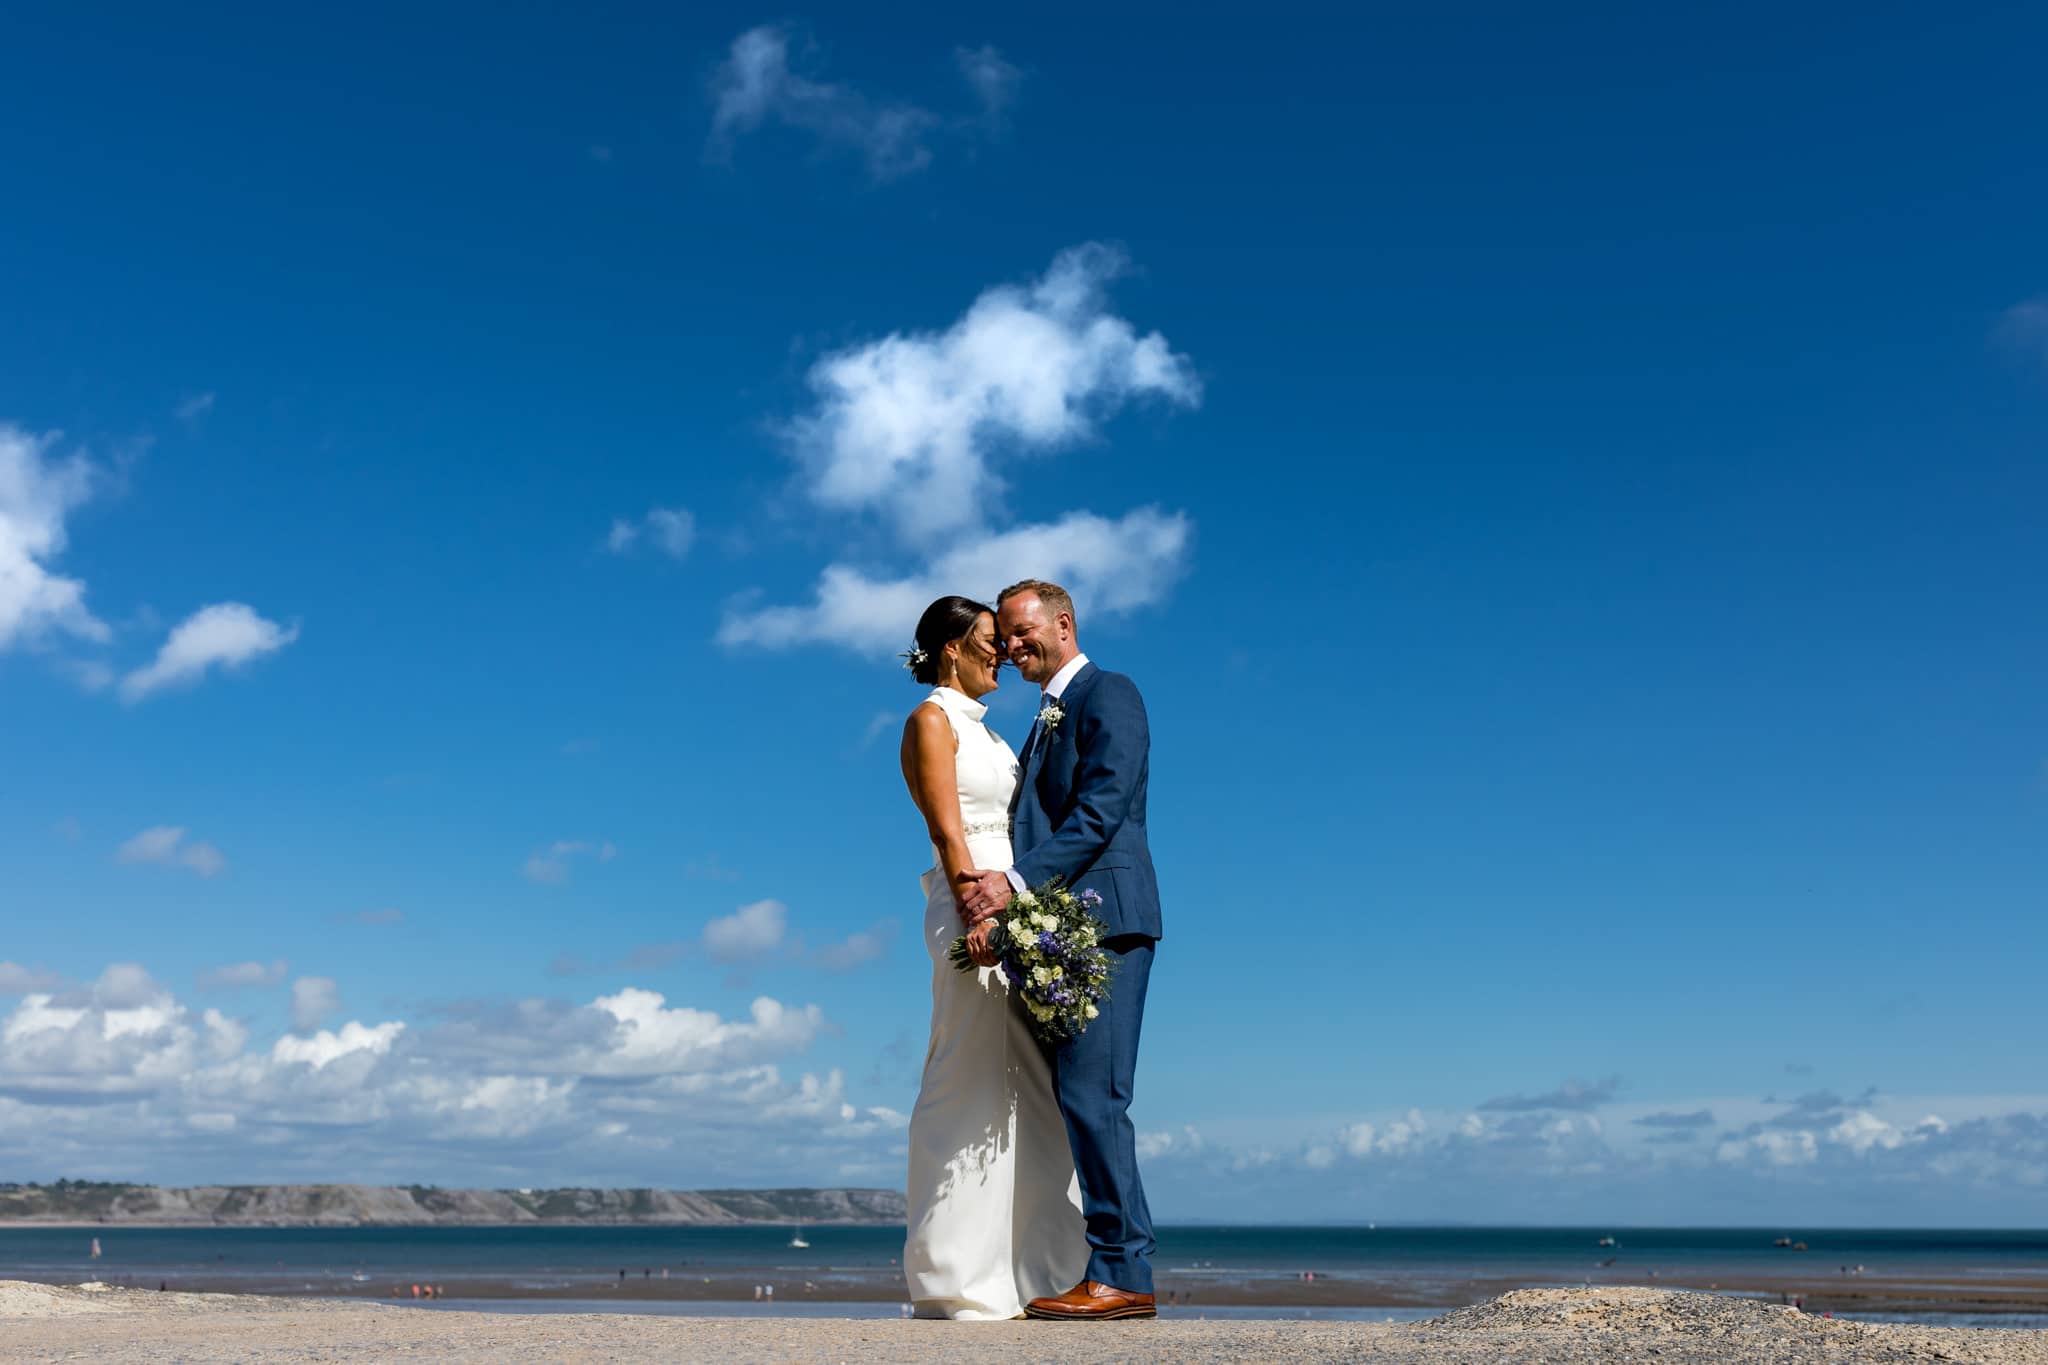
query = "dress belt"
{"x": 986, "y": 827}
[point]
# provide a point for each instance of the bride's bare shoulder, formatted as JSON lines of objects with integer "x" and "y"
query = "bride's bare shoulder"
{"x": 926, "y": 725}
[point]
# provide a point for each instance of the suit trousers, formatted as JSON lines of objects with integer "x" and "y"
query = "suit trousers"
{"x": 1094, "y": 1078}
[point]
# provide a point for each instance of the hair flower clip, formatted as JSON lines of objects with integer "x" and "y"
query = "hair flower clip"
{"x": 913, "y": 656}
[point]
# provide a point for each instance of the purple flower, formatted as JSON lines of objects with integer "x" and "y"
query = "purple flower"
{"x": 1091, "y": 898}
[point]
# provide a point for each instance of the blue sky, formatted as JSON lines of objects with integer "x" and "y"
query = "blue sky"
{"x": 1570, "y": 487}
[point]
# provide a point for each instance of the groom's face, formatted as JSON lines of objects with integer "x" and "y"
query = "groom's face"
{"x": 1037, "y": 641}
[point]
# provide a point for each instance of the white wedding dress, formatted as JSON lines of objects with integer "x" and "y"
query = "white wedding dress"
{"x": 995, "y": 1209}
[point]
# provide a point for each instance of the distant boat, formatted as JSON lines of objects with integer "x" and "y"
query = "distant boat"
{"x": 1609, "y": 1242}
{"x": 796, "y": 1237}
{"x": 1782, "y": 1242}
{"x": 95, "y": 1248}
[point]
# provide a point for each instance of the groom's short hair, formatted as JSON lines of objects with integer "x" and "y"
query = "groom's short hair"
{"x": 1052, "y": 595}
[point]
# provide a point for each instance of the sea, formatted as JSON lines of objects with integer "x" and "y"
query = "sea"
{"x": 1351, "y": 1272}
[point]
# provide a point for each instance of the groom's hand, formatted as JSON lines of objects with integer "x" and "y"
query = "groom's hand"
{"x": 983, "y": 895}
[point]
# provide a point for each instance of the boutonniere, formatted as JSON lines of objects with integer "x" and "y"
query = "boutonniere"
{"x": 1050, "y": 715}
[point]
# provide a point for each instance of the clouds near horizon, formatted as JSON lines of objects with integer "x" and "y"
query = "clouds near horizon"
{"x": 113, "y": 1077}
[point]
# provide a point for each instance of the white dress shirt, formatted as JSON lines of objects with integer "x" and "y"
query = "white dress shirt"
{"x": 1052, "y": 692}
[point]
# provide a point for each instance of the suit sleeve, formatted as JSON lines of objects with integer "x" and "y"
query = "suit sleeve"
{"x": 1114, "y": 741}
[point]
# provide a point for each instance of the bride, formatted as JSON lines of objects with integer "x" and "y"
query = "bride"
{"x": 995, "y": 1210}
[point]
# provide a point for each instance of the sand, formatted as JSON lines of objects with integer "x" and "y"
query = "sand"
{"x": 84, "y": 1323}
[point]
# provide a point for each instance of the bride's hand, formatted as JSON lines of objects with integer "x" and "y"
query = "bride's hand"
{"x": 978, "y": 950}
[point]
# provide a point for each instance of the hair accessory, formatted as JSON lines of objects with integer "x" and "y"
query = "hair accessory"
{"x": 913, "y": 656}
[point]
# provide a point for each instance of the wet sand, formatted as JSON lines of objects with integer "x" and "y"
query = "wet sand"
{"x": 119, "y": 1327}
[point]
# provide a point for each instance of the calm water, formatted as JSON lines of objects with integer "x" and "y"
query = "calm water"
{"x": 1421, "y": 1265}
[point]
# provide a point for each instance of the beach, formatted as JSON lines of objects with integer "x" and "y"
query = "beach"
{"x": 41, "y": 1322}
{"x": 1929, "y": 1277}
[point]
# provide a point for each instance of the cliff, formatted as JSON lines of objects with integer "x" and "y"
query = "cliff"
{"x": 77, "y": 1201}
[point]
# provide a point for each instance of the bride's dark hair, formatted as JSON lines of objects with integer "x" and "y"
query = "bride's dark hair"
{"x": 943, "y": 622}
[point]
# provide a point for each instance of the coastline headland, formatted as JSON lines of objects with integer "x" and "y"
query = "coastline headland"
{"x": 80, "y": 1203}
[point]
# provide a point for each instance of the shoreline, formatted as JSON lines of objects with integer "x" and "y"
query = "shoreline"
{"x": 850, "y": 1285}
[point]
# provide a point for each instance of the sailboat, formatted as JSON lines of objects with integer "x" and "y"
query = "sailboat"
{"x": 796, "y": 1237}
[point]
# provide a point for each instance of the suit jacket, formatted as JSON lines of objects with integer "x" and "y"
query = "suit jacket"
{"x": 1080, "y": 811}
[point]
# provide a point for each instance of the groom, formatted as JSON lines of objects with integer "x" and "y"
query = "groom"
{"x": 1080, "y": 816}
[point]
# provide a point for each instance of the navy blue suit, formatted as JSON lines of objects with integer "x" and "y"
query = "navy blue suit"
{"x": 1080, "y": 815}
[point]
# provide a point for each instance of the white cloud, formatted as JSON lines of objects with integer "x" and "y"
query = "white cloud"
{"x": 913, "y": 424}
{"x": 671, "y": 530}
{"x": 165, "y": 844}
{"x": 1573, "y": 1094}
{"x": 204, "y": 859}
{"x": 1779, "y": 1148}
{"x": 655, "y": 1038}
{"x": 756, "y": 85}
{"x": 124, "y": 1035}
{"x": 750, "y": 932}
{"x": 16, "y": 979}
{"x": 194, "y": 406}
{"x": 993, "y": 80}
{"x": 550, "y": 866}
{"x": 227, "y": 633}
{"x": 1862, "y": 1130}
{"x": 126, "y": 986}
{"x": 544, "y": 870}
{"x": 238, "y": 975}
{"x": 36, "y": 495}
{"x": 1111, "y": 567}
{"x": 321, "y": 1047}
{"x": 123, "y": 1073}
{"x": 858, "y": 948}
{"x": 1183, "y": 1141}
{"x": 2025, "y": 325}
{"x": 1401, "y": 1135}
{"x": 315, "y": 999}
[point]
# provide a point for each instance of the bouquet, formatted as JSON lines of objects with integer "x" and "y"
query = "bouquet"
{"x": 1048, "y": 943}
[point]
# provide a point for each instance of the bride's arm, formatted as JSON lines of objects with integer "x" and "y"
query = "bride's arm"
{"x": 928, "y": 753}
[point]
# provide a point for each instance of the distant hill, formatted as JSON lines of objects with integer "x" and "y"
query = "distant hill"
{"x": 83, "y": 1201}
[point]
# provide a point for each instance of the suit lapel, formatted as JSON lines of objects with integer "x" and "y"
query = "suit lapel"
{"x": 1069, "y": 701}
{"x": 1039, "y": 742}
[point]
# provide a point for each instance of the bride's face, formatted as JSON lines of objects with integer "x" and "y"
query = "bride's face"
{"x": 978, "y": 660}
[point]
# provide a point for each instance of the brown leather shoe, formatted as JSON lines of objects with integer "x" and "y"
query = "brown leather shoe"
{"x": 1092, "y": 1302}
